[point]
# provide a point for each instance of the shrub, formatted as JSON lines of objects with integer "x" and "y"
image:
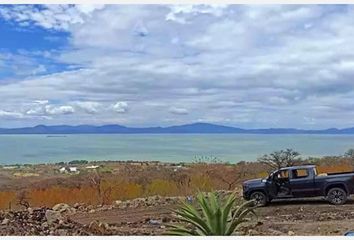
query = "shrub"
{"x": 162, "y": 187}
{"x": 213, "y": 216}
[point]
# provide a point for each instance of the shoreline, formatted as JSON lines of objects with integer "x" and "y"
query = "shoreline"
{"x": 132, "y": 162}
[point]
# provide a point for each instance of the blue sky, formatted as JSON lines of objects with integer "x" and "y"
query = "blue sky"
{"x": 249, "y": 66}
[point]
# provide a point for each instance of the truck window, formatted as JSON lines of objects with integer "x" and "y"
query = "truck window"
{"x": 283, "y": 174}
{"x": 300, "y": 173}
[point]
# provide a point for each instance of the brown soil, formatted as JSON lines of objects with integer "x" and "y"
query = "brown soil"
{"x": 305, "y": 217}
{"x": 300, "y": 217}
{"x": 131, "y": 221}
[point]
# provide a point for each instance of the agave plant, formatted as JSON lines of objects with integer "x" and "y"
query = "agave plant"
{"x": 211, "y": 216}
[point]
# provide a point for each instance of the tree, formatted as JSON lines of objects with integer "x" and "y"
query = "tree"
{"x": 23, "y": 199}
{"x": 349, "y": 153}
{"x": 282, "y": 158}
{"x": 212, "y": 217}
{"x": 103, "y": 191}
{"x": 228, "y": 175}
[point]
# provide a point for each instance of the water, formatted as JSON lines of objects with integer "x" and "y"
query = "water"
{"x": 166, "y": 148}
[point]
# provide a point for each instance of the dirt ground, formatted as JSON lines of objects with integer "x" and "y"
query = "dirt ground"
{"x": 294, "y": 217}
{"x": 306, "y": 217}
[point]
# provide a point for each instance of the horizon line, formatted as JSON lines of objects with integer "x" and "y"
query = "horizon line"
{"x": 175, "y": 125}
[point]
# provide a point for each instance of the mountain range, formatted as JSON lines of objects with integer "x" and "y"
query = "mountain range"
{"x": 187, "y": 128}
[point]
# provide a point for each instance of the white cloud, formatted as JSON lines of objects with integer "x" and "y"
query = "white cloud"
{"x": 178, "y": 111}
{"x": 259, "y": 65}
{"x": 57, "y": 17}
{"x": 89, "y": 107}
{"x": 181, "y": 13}
{"x": 55, "y": 110}
{"x": 41, "y": 102}
{"x": 10, "y": 115}
{"x": 37, "y": 110}
{"x": 120, "y": 107}
{"x": 43, "y": 108}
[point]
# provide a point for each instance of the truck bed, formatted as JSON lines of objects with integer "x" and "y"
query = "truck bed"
{"x": 339, "y": 173}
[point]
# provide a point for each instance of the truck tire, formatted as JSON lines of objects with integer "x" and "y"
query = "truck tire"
{"x": 337, "y": 196}
{"x": 260, "y": 198}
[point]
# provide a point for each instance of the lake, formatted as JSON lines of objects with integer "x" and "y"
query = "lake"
{"x": 163, "y": 147}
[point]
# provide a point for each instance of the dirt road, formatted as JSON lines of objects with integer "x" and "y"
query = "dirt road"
{"x": 300, "y": 217}
{"x": 305, "y": 217}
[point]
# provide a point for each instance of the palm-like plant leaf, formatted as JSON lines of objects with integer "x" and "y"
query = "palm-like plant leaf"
{"x": 211, "y": 216}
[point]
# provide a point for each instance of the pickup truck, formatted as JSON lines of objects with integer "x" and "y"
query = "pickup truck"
{"x": 300, "y": 182}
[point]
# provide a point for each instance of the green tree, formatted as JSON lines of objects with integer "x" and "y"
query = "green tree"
{"x": 211, "y": 216}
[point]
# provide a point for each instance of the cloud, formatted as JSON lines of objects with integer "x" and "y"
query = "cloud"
{"x": 53, "y": 110}
{"x": 57, "y": 17}
{"x": 37, "y": 110}
{"x": 182, "y": 13}
{"x": 41, "y": 102}
{"x": 244, "y": 65}
{"x": 120, "y": 107}
{"x": 10, "y": 115}
{"x": 43, "y": 108}
{"x": 178, "y": 111}
{"x": 89, "y": 107}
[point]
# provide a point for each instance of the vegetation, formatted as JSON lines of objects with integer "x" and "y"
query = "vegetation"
{"x": 212, "y": 216}
{"x": 282, "y": 158}
{"x": 123, "y": 181}
{"x": 349, "y": 153}
{"x": 78, "y": 162}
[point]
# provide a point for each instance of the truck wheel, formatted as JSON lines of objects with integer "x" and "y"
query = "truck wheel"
{"x": 260, "y": 198}
{"x": 337, "y": 196}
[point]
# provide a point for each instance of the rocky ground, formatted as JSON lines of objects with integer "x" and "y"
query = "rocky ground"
{"x": 149, "y": 216}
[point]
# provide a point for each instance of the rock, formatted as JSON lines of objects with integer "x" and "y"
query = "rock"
{"x": 93, "y": 225}
{"x": 45, "y": 225}
{"x": 61, "y": 232}
{"x": 6, "y": 221}
{"x": 252, "y": 232}
{"x": 291, "y": 233}
{"x": 275, "y": 232}
{"x": 92, "y": 211}
{"x": 154, "y": 222}
{"x": 99, "y": 227}
{"x": 52, "y": 216}
{"x": 30, "y": 210}
{"x": 61, "y": 207}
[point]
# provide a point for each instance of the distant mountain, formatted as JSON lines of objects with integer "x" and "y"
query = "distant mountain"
{"x": 187, "y": 128}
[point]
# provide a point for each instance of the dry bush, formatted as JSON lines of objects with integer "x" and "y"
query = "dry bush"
{"x": 23, "y": 199}
{"x": 201, "y": 182}
{"x": 7, "y": 199}
{"x": 162, "y": 187}
{"x": 135, "y": 181}
{"x": 123, "y": 190}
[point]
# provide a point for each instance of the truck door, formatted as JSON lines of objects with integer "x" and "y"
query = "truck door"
{"x": 271, "y": 185}
{"x": 279, "y": 185}
{"x": 302, "y": 182}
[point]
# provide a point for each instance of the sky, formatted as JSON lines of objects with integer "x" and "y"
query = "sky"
{"x": 249, "y": 66}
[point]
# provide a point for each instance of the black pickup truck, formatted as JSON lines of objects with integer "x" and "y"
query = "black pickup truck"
{"x": 300, "y": 182}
